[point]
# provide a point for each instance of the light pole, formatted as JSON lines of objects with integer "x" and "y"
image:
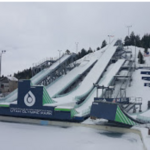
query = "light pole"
{"x": 135, "y": 55}
{"x": 76, "y": 43}
{"x": 3, "y": 51}
{"x": 59, "y": 55}
{"x": 110, "y": 36}
{"x": 129, "y": 29}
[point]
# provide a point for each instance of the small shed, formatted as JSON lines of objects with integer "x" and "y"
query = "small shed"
{"x": 8, "y": 84}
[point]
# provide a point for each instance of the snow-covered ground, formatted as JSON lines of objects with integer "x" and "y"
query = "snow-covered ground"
{"x": 23, "y": 136}
{"x": 138, "y": 89}
{"x": 34, "y": 137}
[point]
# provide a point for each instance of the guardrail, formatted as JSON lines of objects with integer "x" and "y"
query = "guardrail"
{"x": 135, "y": 99}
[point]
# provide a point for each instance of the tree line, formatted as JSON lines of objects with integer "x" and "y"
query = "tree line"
{"x": 84, "y": 52}
{"x": 135, "y": 40}
{"x": 27, "y": 73}
{"x": 132, "y": 39}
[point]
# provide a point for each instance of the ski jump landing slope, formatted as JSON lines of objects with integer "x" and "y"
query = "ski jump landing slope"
{"x": 144, "y": 116}
{"x": 85, "y": 107}
{"x": 87, "y": 84}
{"x": 41, "y": 75}
{"x": 66, "y": 80}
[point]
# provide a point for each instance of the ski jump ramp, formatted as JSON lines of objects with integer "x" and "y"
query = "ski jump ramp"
{"x": 105, "y": 81}
{"x": 43, "y": 102}
{"x": 38, "y": 77}
{"x": 86, "y": 86}
{"x": 74, "y": 74}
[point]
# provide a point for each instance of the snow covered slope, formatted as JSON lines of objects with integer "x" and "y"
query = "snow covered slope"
{"x": 29, "y": 137}
{"x": 106, "y": 80}
{"x": 13, "y": 96}
{"x": 92, "y": 77}
{"x": 65, "y": 80}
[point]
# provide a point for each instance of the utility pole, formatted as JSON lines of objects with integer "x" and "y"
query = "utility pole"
{"x": 3, "y": 51}
{"x": 110, "y": 36}
{"x": 59, "y": 55}
{"x": 135, "y": 55}
{"x": 129, "y": 29}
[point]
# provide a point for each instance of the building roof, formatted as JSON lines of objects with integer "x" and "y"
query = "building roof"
{"x": 11, "y": 78}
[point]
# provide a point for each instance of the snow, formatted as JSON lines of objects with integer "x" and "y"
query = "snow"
{"x": 70, "y": 76}
{"x": 106, "y": 80}
{"x": 13, "y": 96}
{"x": 146, "y": 114}
{"x": 87, "y": 83}
{"x": 92, "y": 77}
{"x": 4, "y": 103}
{"x": 9, "y": 98}
{"x": 45, "y": 72}
{"x": 29, "y": 137}
{"x": 22, "y": 136}
{"x": 66, "y": 107}
{"x": 138, "y": 89}
{"x": 146, "y": 137}
{"x": 12, "y": 78}
{"x": 135, "y": 51}
{"x": 84, "y": 87}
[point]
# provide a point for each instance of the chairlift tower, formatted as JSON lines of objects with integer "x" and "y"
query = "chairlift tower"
{"x": 59, "y": 55}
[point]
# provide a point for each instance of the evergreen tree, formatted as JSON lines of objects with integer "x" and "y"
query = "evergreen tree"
{"x": 146, "y": 50}
{"x": 141, "y": 60}
{"x": 83, "y": 52}
{"x": 145, "y": 42}
{"x": 126, "y": 41}
{"x": 25, "y": 74}
{"x": 137, "y": 40}
{"x": 132, "y": 39}
{"x": 79, "y": 55}
{"x": 67, "y": 51}
{"x": 139, "y": 54}
{"x": 98, "y": 48}
{"x": 104, "y": 43}
{"x": 90, "y": 50}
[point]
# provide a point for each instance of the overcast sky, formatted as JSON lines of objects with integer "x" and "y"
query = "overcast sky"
{"x": 31, "y": 32}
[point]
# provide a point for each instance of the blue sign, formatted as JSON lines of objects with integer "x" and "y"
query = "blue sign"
{"x": 145, "y": 72}
{"x": 103, "y": 110}
{"x": 147, "y": 84}
{"x": 31, "y": 103}
{"x": 146, "y": 78}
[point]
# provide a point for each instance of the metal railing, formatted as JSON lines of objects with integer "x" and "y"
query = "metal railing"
{"x": 135, "y": 99}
